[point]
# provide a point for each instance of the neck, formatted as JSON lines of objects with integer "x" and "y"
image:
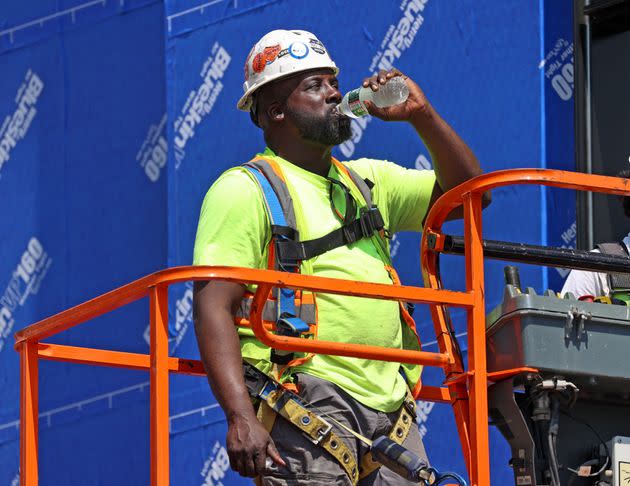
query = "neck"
{"x": 309, "y": 156}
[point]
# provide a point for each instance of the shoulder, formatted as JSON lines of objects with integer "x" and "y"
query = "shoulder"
{"x": 382, "y": 168}
{"x": 236, "y": 193}
{"x": 234, "y": 178}
{"x": 366, "y": 167}
{"x": 390, "y": 174}
{"x": 235, "y": 184}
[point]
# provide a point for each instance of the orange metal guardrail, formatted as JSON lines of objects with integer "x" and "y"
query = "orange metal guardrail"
{"x": 466, "y": 390}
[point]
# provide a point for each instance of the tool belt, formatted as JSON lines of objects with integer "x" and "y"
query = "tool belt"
{"x": 276, "y": 399}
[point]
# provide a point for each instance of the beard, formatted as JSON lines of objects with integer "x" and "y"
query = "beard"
{"x": 332, "y": 129}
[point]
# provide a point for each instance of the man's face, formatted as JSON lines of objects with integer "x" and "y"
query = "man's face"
{"x": 310, "y": 107}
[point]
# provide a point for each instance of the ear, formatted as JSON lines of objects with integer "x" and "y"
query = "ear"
{"x": 275, "y": 112}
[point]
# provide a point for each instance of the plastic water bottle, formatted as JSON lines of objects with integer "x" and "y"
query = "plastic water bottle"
{"x": 392, "y": 93}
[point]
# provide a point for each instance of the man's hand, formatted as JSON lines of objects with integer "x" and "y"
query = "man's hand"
{"x": 415, "y": 104}
{"x": 249, "y": 445}
{"x": 453, "y": 161}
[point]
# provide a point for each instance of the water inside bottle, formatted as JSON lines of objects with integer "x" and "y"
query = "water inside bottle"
{"x": 394, "y": 92}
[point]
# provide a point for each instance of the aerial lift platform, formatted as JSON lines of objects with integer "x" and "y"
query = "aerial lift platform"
{"x": 465, "y": 387}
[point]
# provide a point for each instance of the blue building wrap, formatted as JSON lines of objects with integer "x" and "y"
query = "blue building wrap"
{"x": 117, "y": 116}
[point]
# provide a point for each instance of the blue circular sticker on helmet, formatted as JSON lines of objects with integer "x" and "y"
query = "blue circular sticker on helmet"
{"x": 298, "y": 50}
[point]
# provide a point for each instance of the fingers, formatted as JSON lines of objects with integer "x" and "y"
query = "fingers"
{"x": 248, "y": 455}
{"x": 379, "y": 79}
{"x": 247, "y": 463}
{"x": 260, "y": 463}
{"x": 273, "y": 453}
{"x": 376, "y": 111}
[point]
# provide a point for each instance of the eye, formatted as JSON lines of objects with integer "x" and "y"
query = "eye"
{"x": 314, "y": 84}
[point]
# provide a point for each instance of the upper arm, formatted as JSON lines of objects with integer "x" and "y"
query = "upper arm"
{"x": 233, "y": 229}
{"x": 215, "y": 296}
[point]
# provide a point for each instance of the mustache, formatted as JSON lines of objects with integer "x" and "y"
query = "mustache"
{"x": 334, "y": 112}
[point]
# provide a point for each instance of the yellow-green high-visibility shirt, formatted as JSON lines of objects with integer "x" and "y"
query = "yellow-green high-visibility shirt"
{"x": 234, "y": 230}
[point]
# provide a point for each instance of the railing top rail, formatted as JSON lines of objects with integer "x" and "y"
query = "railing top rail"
{"x": 545, "y": 177}
{"x": 453, "y": 198}
{"x": 140, "y": 288}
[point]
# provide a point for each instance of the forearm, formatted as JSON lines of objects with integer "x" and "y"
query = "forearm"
{"x": 248, "y": 443}
{"x": 220, "y": 352}
{"x": 453, "y": 161}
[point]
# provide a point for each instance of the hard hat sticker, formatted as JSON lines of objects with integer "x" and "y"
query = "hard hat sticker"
{"x": 267, "y": 56}
{"x": 270, "y": 53}
{"x": 317, "y": 46}
{"x": 298, "y": 50}
{"x": 246, "y": 67}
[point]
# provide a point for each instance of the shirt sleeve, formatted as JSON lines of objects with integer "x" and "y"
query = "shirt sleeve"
{"x": 233, "y": 228}
{"x": 405, "y": 193}
{"x": 580, "y": 282}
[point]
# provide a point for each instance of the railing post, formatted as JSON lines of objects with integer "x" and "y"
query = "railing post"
{"x": 159, "y": 386}
{"x": 29, "y": 412}
{"x": 478, "y": 397}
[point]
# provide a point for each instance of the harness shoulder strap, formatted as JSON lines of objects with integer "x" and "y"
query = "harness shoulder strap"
{"x": 365, "y": 188}
{"x": 617, "y": 281}
{"x": 279, "y": 207}
{"x": 276, "y": 180}
{"x": 363, "y": 185}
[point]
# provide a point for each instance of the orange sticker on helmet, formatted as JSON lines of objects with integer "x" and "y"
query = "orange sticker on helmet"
{"x": 267, "y": 56}
{"x": 270, "y": 53}
{"x": 246, "y": 67}
{"x": 258, "y": 63}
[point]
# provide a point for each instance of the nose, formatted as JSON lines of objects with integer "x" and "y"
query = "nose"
{"x": 333, "y": 94}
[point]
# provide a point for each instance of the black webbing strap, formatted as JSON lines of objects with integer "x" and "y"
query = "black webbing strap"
{"x": 369, "y": 221}
{"x": 617, "y": 281}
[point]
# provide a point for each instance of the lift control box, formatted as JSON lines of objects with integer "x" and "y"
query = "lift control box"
{"x": 585, "y": 342}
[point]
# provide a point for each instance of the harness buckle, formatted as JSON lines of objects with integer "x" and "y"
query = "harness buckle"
{"x": 292, "y": 326}
{"x": 289, "y": 254}
{"x": 348, "y": 235}
{"x": 268, "y": 388}
{"x": 410, "y": 405}
{"x": 289, "y": 325}
{"x": 322, "y": 433}
{"x": 370, "y": 220}
{"x": 256, "y": 382}
{"x": 365, "y": 222}
{"x": 281, "y": 357}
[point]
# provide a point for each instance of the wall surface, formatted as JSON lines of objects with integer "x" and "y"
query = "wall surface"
{"x": 117, "y": 116}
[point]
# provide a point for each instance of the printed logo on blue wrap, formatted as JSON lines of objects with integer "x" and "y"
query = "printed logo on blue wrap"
{"x": 15, "y": 126}
{"x": 25, "y": 281}
{"x": 216, "y": 466}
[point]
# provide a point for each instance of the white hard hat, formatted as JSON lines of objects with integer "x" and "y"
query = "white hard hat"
{"x": 281, "y": 53}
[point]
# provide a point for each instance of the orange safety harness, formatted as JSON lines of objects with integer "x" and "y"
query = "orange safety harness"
{"x": 293, "y": 312}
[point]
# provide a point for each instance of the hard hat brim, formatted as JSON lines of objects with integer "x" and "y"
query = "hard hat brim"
{"x": 245, "y": 102}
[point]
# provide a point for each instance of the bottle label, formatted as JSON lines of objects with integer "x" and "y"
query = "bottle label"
{"x": 355, "y": 104}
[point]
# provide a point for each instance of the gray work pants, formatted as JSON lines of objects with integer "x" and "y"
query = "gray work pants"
{"x": 309, "y": 464}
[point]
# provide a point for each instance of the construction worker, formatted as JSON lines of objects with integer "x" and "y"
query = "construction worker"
{"x": 595, "y": 284}
{"x": 343, "y": 213}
